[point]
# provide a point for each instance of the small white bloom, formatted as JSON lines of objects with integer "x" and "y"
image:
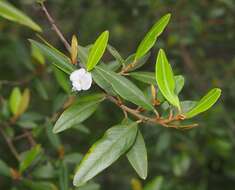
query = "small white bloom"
{"x": 81, "y": 79}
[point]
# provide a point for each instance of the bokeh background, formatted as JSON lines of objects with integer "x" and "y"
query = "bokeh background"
{"x": 200, "y": 43}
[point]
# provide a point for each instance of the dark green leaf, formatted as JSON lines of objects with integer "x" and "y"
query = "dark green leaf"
{"x": 115, "y": 54}
{"x": 137, "y": 156}
{"x": 5, "y": 170}
{"x": 145, "y": 77}
{"x": 38, "y": 185}
{"x": 11, "y": 13}
{"x": 45, "y": 172}
{"x": 102, "y": 82}
{"x": 115, "y": 142}
{"x": 62, "y": 79}
{"x": 77, "y": 113}
{"x": 125, "y": 88}
{"x": 56, "y": 57}
{"x": 63, "y": 177}
{"x": 135, "y": 64}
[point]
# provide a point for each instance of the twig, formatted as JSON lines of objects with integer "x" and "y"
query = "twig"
{"x": 10, "y": 144}
{"x": 54, "y": 27}
{"x": 143, "y": 118}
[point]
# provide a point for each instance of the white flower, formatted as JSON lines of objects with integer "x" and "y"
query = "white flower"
{"x": 81, "y": 80}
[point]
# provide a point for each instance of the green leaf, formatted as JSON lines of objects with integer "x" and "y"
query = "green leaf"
{"x": 38, "y": 185}
{"x": 63, "y": 176}
{"x": 187, "y": 105}
{"x": 101, "y": 81}
{"x": 135, "y": 64}
{"x": 151, "y": 37}
{"x": 11, "y": 13}
{"x": 137, "y": 156}
{"x": 144, "y": 76}
{"x": 115, "y": 142}
{"x": 29, "y": 157}
{"x": 24, "y": 102}
{"x": 72, "y": 158}
{"x": 149, "y": 78}
{"x": 115, "y": 54}
{"x": 62, "y": 79}
{"x": 179, "y": 83}
{"x": 46, "y": 171}
{"x": 5, "y": 170}
{"x": 56, "y": 57}
{"x": 15, "y": 99}
{"x": 155, "y": 184}
{"x": 77, "y": 113}
{"x": 37, "y": 55}
{"x": 83, "y": 54}
{"x": 125, "y": 88}
{"x": 97, "y": 50}
{"x": 205, "y": 103}
{"x": 165, "y": 79}
{"x": 53, "y": 138}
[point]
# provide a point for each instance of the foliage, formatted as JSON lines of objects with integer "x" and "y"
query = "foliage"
{"x": 46, "y": 127}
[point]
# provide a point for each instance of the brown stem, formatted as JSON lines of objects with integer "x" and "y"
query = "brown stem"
{"x": 143, "y": 118}
{"x": 10, "y": 144}
{"x": 54, "y": 27}
{"x": 30, "y": 138}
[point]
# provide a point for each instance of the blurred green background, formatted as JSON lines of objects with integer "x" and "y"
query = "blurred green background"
{"x": 200, "y": 43}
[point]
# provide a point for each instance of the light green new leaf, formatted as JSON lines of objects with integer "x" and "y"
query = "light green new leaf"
{"x": 76, "y": 114}
{"x": 24, "y": 102}
{"x": 56, "y": 57}
{"x": 5, "y": 170}
{"x": 125, "y": 88}
{"x": 165, "y": 79}
{"x": 115, "y": 142}
{"x": 97, "y": 50}
{"x": 9, "y": 12}
{"x": 29, "y": 157}
{"x": 205, "y": 103}
{"x": 137, "y": 156}
{"x": 155, "y": 184}
{"x": 151, "y": 37}
{"x": 15, "y": 99}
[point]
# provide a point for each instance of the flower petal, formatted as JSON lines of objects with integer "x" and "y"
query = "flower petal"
{"x": 86, "y": 81}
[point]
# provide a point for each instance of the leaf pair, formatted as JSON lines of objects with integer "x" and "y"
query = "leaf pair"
{"x": 115, "y": 142}
{"x": 170, "y": 86}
